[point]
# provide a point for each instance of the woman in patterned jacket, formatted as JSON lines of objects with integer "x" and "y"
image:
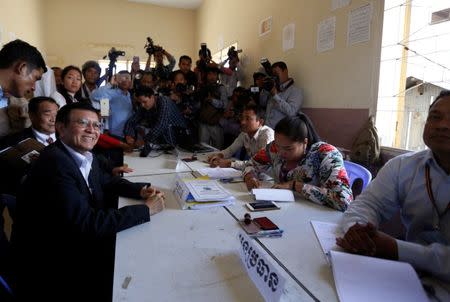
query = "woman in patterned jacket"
{"x": 299, "y": 161}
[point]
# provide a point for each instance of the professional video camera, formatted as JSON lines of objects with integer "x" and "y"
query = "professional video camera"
{"x": 233, "y": 52}
{"x": 112, "y": 55}
{"x": 151, "y": 48}
{"x": 270, "y": 82}
{"x": 267, "y": 66}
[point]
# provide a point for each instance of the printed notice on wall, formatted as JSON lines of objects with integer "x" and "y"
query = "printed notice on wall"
{"x": 288, "y": 36}
{"x": 265, "y": 26}
{"x": 359, "y": 24}
{"x": 326, "y": 34}
{"x": 336, "y": 4}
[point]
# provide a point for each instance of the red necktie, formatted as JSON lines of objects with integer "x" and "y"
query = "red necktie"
{"x": 49, "y": 140}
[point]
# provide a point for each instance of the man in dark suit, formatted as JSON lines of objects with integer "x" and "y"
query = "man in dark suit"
{"x": 66, "y": 226}
{"x": 42, "y": 111}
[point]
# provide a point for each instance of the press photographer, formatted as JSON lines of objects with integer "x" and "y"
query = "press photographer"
{"x": 203, "y": 63}
{"x": 161, "y": 71}
{"x": 232, "y": 75}
{"x": 282, "y": 97}
{"x": 213, "y": 100}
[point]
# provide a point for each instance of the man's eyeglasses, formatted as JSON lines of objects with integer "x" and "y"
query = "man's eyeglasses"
{"x": 84, "y": 123}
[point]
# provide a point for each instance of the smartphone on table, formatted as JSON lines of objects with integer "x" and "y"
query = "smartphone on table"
{"x": 262, "y": 206}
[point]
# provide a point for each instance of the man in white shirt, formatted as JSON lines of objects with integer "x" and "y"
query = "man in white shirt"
{"x": 418, "y": 185}
{"x": 254, "y": 136}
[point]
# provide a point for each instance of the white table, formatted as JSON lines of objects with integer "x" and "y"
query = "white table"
{"x": 185, "y": 255}
{"x": 156, "y": 163}
{"x": 298, "y": 250}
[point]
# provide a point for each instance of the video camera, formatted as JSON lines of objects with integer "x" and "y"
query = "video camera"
{"x": 151, "y": 48}
{"x": 233, "y": 52}
{"x": 112, "y": 55}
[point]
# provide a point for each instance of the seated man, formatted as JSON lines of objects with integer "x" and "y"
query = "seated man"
{"x": 417, "y": 184}
{"x": 65, "y": 218}
{"x": 42, "y": 111}
{"x": 154, "y": 121}
{"x": 254, "y": 136}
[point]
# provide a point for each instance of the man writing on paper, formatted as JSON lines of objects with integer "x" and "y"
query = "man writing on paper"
{"x": 417, "y": 184}
{"x": 254, "y": 136}
{"x": 67, "y": 219}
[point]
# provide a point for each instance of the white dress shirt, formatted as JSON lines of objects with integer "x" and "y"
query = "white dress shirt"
{"x": 83, "y": 161}
{"x": 42, "y": 137}
{"x": 262, "y": 137}
{"x": 401, "y": 185}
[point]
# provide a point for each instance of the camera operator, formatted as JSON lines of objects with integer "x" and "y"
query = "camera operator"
{"x": 182, "y": 96}
{"x": 203, "y": 63}
{"x": 232, "y": 75}
{"x": 161, "y": 71}
{"x": 213, "y": 100}
{"x": 284, "y": 98}
{"x": 185, "y": 64}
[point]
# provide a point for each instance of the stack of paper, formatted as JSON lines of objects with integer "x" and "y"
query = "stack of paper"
{"x": 279, "y": 195}
{"x": 198, "y": 193}
{"x": 220, "y": 173}
{"x": 362, "y": 278}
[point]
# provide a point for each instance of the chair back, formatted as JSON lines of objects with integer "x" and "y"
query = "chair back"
{"x": 357, "y": 172}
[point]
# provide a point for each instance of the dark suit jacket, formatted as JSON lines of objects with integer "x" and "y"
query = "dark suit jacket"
{"x": 64, "y": 235}
{"x": 13, "y": 139}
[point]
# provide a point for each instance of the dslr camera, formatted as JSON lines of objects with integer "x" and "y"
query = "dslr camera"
{"x": 151, "y": 48}
{"x": 232, "y": 52}
{"x": 270, "y": 82}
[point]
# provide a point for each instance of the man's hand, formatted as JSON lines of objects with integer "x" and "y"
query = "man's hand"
{"x": 148, "y": 191}
{"x": 274, "y": 90}
{"x": 367, "y": 240}
{"x": 251, "y": 181}
{"x": 155, "y": 203}
{"x": 130, "y": 140}
{"x": 116, "y": 171}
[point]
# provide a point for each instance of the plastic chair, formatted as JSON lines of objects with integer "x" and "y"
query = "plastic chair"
{"x": 359, "y": 176}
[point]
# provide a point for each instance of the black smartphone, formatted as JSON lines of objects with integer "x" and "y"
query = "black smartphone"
{"x": 262, "y": 206}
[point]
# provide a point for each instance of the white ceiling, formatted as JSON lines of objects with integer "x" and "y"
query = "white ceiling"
{"x": 188, "y": 4}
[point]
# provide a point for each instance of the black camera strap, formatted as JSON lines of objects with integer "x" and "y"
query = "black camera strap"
{"x": 291, "y": 82}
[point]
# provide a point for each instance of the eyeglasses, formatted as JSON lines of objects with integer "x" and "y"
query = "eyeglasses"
{"x": 84, "y": 123}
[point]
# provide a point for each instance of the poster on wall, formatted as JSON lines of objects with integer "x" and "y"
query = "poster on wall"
{"x": 336, "y": 4}
{"x": 265, "y": 26}
{"x": 359, "y": 24}
{"x": 288, "y": 36}
{"x": 326, "y": 34}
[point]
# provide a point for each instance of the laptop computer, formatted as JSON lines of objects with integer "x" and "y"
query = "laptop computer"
{"x": 185, "y": 140}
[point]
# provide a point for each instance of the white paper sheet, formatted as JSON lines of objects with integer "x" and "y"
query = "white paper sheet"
{"x": 288, "y": 37}
{"x": 264, "y": 274}
{"x": 360, "y": 278}
{"x": 336, "y": 4}
{"x": 359, "y": 24}
{"x": 217, "y": 173}
{"x": 326, "y": 34}
{"x": 274, "y": 195}
{"x": 326, "y": 233}
{"x": 207, "y": 190}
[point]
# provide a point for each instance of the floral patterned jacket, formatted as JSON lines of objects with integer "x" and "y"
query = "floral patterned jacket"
{"x": 322, "y": 171}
